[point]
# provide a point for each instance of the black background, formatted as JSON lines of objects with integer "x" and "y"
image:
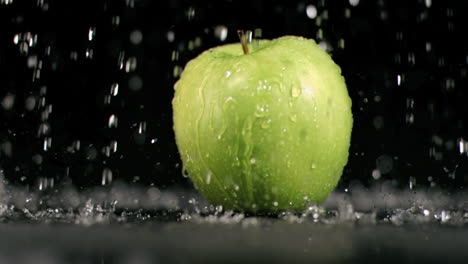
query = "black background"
{"x": 423, "y": 42}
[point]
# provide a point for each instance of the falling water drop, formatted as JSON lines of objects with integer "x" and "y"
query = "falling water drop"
{"x": 106, "y": 176}
{"x": 136, "y": 37}
{"x": 412, "y": 182}
{"x": 131, "y": 64}
{"x": 91, "y": 33}
{"x": 221, "y": 32}
{"x": 113, "y": 121}
{"x": 311, "y": 11}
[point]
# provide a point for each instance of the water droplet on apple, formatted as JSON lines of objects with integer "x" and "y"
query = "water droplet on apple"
{"x": 253, "y": 161}
{"x": 314, "y": 166}
{"x": 262, "y": 110}
{"x": 295, "y": 91}
{"x": 293, "y": 117}
{"x": 228, "y": 73}
{"x": 208, "y": 177}
{"x": 266, "y": 124}
{"x": 185, "y": 172}
{"x": 236, "y": 162}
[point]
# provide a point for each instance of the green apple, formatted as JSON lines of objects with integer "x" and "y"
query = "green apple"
{"x": 266, "y": 130}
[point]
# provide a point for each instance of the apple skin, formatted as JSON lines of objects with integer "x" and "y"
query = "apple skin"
{"x": 264, "y": 132}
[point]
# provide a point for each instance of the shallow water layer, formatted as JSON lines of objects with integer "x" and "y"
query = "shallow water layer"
{"x": 129, "y": 224}
{"x": 125, "y": 203}
{"x": 261, "y": 241}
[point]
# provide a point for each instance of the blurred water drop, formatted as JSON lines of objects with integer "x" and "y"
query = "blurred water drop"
{"x": 131, "y": 64}
{"x": 44, "y": 129}
{"x": 208, "y": 177}
{"x": 6, "y": 148}
{"x": 24, "y": 48}
{"x": 221, "y": 32}
{"x": 37, "y": 159}
{"x": 130, "y": 3}
{"x": 428, "y": 46}
{"x": 313, "y": 166}
{"x": 32, "y": 61}
{"x": 378, "y": 122}
{"x": 411, "y": 58}
{"x": 324, "y": 45}
{"x": 74, "y": 55}
{"x": 412, "y": 182}
{"x": 311, "y": 11}
{"x": 8, "y": 101}
{"x": 43, "y": 90}
{"x": 120, "y": 60}
{"x": 91, "y": 153}
{"x": 444, "y": 216}
{"x": 170, "y": 36}
{"x": 89, "y": 53}
{"x": 319, "y": 36}
{"x": 190, "y": 13}
{"x": 176, "y": 71}
{"x": 376, "y": 174}
{"x": 45, "y": 183}
{"x": 114, "y": 89}
{"x": 113, "y": 145}
{"x": 449, "y": 84}
{"x": 106, "y": 176}
{"x": 347, "y": 13}
{"x": 91, "y": 33}
{"x": 115, "y": 21}
{"x": 384, "y": 163}
{"x": 258, "y": 33}
{"x": 135, "y": 83}
{"x": 113, "y": 121}
{"x": 341, "y": 43}
{"x": 383, "y": 15}
{"x": 107, "y": 99}
{"x": 142, "y": 127}
{"x": 354, "y": 2}
{"x": 136, "y": 37}
{"x": 47, "y": 143}
{"x": 76, "y": 145}
{"x": 462, "y": 146}
{"x": 30, "y": 103}
{"x": 428, "y": 3}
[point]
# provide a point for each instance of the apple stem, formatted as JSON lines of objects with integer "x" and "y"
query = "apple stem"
{"x": 241, "y": 35}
